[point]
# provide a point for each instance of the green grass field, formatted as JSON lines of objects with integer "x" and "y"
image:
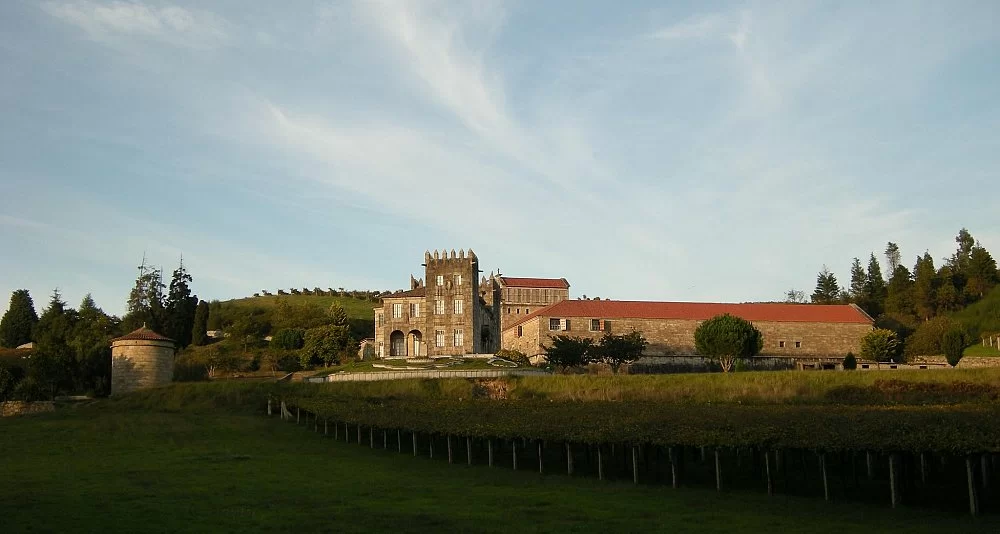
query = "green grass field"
{"x": 355, "y": 308}
{"x": 980, "y": 351}
{"x": 117, "y": 467}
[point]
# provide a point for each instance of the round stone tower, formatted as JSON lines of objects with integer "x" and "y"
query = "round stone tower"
{"x": 141, "y": 359}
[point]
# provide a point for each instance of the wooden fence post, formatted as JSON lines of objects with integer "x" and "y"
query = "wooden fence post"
{"x": 600, "y": 463}
{"x": 513, "y": 443}
{"x": 718, "y": 471}
{"x": 826, "y": 485}
{"x": 449, "y": 448}
{"x": 430, "y": 446}
{"x": 868, "y": 464}
{"x": 371, "y": 437}
{"x": 923, "y": 468}
{"x": 269, "y": 406}
{"x": 540, "y": 467}
{"x": 385, "y": 439}
{"x": 297, "y": 415}
{"x": 970, "y": 474}
{"x": 767, "y": 471}
{"x": 635, "y": 464}
{"x": 468, "y": 450}
{"x": 894, "y": 479}
{"x": 489, "y": 447}
{"x": 326, "y": 430}
{"x": 399, "y": 440}
{"x": 414, "y": 434}
{"x": 569, "y": 459}
{"x": 672, "y": 452}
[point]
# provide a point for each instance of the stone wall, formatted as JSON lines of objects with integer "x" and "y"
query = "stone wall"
{"x": 12, "y": 408}
{"x": 140, "y": 364}
{"x": 968, "y": 362}
{"x": 668, "y": 337}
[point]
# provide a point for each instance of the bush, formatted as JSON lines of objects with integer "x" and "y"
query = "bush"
{"x": 880, "y": 345}
{"x": 29, "y": 390}
{"x": 568, "y": 351}
{"x": 289, "y": 363}
{"x": 289, "y": 339}
{"x": 926, "y": 339}
{"x": 953, "y": 345}
{"x": 7, "y": 383}
{"x": 515, "y": 356}
{"x": 726, "y": 338}
{"x": 850, "y": 362}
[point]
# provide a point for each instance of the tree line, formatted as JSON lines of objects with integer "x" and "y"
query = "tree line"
{"x": 72, "y": 347}
{"x": 916, "y": 304}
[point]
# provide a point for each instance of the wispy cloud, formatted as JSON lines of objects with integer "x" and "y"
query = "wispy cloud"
{"x": 115, "y": 21}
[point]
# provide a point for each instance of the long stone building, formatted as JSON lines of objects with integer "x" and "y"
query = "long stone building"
{"x": 520, "y": 296}
{"x": 789, "y": 330}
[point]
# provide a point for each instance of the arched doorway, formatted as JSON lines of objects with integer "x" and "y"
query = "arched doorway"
{"x": 397, "y": 344}
{"x": 415, "y": 344}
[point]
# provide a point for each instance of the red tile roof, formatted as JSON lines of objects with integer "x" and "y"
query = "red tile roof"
{"x": 700, "y": 311}
{"x": 550, "y": 283}
{"x": 142, "y": 334}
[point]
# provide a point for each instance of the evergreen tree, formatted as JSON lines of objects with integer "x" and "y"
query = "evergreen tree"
{"x": 960, "y": 260}
{"x": 53, "y": 364}
{"x": 873, "y": 300}
{"x": 20, "y": 319}
{"x": 925, "y": 287}
{"x": 981, "y": 274}
{"x": 899, "y": 297}
{"x": 179, "y": 308}
{"x": 948, "y": 298}
{"x": 145, "y": 301}
{"x": 892, "y": 257}
{"x": 91, "y": 343}
{"x": 827, "y": 289}
{"x": 858, "y": 282}
{"x": 199, "y": 331}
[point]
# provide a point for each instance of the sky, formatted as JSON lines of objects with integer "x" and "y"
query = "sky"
{"x": 691, "y": 151}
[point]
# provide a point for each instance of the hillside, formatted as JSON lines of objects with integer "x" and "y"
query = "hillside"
{"x": 357, "y": 309}
{"x": 983, "y": 316}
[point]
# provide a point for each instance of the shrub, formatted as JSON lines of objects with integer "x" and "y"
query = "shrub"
{"x": 6, "y": 383}
{"x": 926, "y": 339}
{"x": 289, "y": 339}
{"x": 953, "y": 345}
{"x": 29, "y": 390}
{"x": 727, "y": 338}
{"x": 190, "y": 371}
{"x": 567, "y": 351}
{"x": 620, "y": 350}
{"x": 289, "y": 363}
{"x": 850, "y": 362}
{"x": 515, "y": 356}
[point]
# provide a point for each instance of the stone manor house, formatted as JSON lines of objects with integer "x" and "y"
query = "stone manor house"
{"x": 455, "y": 311}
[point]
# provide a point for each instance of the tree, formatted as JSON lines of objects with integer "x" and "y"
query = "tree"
{"x": 337, "y": 315}
{"x": 727, "y": 338}
{"x": 926, "y": 339}
{"x": 249, "y": 329}
{"x": 960, "y": 260}
{"x": 874, "y": 291}
{"x": 899, "y": 295}
{"x": 925, "y": 287}
{"x": 91, "y": 344}
{"x": 827, "y": 290}
{"x": 53, "y": 363}
{"x": 289, "y": 339}
{"x": 850, "y": 362}
{"x": 567, "y": 351}
{"x": 328, "y": 344}
{"x": 953, "y": 344}
{"x": 981, "y": 274}
{"x": 179, "y": 307}
{"x": 199, "y": 330}
{"x": 7, "y": 384}
{"x": 858, "y": 282}
{"x": 948, "y": 297}
{"x": 145, "y": 302}
{"x": 892, "y": 256}
{"x": 20, "y": 319}
{"x": 618, "y": 350}
{"x": 794, "y": 296}
{"x": 880, "y": 345}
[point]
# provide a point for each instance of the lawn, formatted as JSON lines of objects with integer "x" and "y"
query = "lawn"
{"x": 114, "y": 467}
{"x": 981, "y": 351}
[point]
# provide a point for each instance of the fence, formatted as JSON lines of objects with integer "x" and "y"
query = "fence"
{"x": 401, "y": 375}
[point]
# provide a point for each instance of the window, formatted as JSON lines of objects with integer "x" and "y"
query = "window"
{"x": 378, "y": 319}
{"x": 438, "y": 291}
{"x": 458, "y": 279}
{"x": 458, "y": 307}
{"x": 459, "y": 338}
{"x": 520, "y": 331}
{"x": 440, "y": 280}
{"x": 397, "y": 310}
{"x": 508, "y": 310}
{"x": 438, "y": 307}
{"x": 781, "y": 344}
{"x": 607, "y": 325}
{"x": 518, "y": 311}
{"x": 439, "y": 338}
{"x": 554, "y": 324}
{"x": 595, "y": 325}
{"x": 798, "y": 344}
{"x": 527, "y": 311}
{"x": 414, "y": 309}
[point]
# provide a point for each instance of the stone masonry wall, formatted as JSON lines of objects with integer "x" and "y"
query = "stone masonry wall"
{"x": 140, "y": 364}
{"x": 676, "y": 337}
{"x": 12, "y": 408}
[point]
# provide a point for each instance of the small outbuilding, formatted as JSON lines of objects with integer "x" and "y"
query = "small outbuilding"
{"x": 141, "y": 359}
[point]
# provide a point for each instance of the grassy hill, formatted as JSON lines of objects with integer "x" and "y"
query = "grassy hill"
{"x": 983, "y": 316}
{"x": 279, "y": 308}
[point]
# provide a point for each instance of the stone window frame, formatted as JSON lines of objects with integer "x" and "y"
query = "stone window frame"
{"x": 397, "y": 310}
{"x": 458, "y": 338}
{"x": 781, "y": 344}
{"x": 520, "y": 330}
{"x": 439, "y": 280}
{"x": 459, "y": 306}
{"x": 556, "y": 322}
{"x": 439, "y": 308}
{"x": 596, "y": 322}
{"x": 798, "y": 344}
{"x": 458, "y": 279}
{"x": 414, "y": 309}
{"x": 439, "y": 338}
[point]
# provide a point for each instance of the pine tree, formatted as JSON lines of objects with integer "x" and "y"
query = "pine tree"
{"x": 858, "y": 282}
{"x": 960, "y": 260}
{"x": 892, "y": 257}
{"x": 899, "y": 297}
{"x": 179, "y": 308}
{"x": 925, "y": 287}
{"x": 981, "y": 274}
{"x": 874, "y": 290}
{"x": 91, "y": 342}
{"x": 53, "y": 364}
{"x": 145, "y": 301}
{"x": 827, "y": 289}
{"x": 20, "y": 319}
{"x": 947, "y": 294}
{"x": 199, "y": 330}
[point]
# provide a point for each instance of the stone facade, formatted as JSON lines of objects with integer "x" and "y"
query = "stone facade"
{"x": 140, "y": 360}
{"x": 444, "y": 316}
{"x": 13, "y": 408}
{"x": 675, "y": 337}
{"x": 521, "y": 296}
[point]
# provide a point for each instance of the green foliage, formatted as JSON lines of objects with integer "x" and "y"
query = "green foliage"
{"x": 982, "y": 317}
{"x": 827, "y": 289}
{"x": 925, "y": 285}
{"x": 30, "y": 389}
{"x": 727, "y": 338}
{"x": 248, "y": 330}
{"x": 953, "y": 344}
{"x": 858, "y": 281}
{"x": 874, "y": 291}
{"x": 880, "y": 345}
{"x": 981, "y": 274}
{"x": 145, "y": 302}
{"x": 289, "y": 339}
{"x": 199, "y": 328}
{"x": 328, "y": 344}
{"x": 190, "y": 368}
{"x": 618, "y": 350}
{"x": 899, "y": 299}
{"x": 179, "y": 308}
{"x": 515, "y": 356}
{"x": 926, "y": 339}
{"x": 7, "y": 384}
{"x": 850, "y": 362}
{"x": 569, "y": 351}
{"x": 19, "y": 320}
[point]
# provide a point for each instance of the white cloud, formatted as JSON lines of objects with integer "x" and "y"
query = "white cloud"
{"x": 699, "y": 27}
{"x": 116, "y": 21}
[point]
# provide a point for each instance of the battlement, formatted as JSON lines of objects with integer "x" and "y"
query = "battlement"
{"x": 445, "y": 256}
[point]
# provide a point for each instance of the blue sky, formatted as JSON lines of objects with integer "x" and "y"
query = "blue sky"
{"x": 643, "y": 150}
